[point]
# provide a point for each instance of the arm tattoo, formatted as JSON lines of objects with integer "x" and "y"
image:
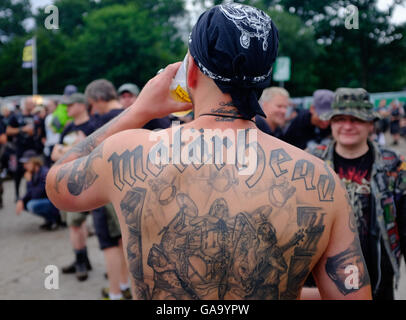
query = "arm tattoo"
{"x": 81, "y": 173}
{"x": 60, "y": 175}
{"x": 348, "y": 270}
{"x": 81, "y": 149}
{"x": 91, "y": 142}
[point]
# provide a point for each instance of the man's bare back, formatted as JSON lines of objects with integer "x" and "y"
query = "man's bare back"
{"x": 209, "y": 233}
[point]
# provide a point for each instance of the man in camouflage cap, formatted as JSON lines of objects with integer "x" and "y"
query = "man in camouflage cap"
{"x": 375, "y": 180}
{"x": 352, "y": 102}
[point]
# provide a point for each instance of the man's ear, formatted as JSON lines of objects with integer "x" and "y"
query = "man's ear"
{"x": 192, "y": 73}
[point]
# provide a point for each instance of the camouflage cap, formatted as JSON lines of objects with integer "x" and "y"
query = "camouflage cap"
{"x": 352, "y": 102}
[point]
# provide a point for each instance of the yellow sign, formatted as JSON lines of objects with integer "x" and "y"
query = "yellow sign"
{"x": 27, "y": 54}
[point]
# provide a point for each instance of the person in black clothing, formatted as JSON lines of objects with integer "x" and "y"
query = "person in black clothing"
{"x": 396, "y": 114}
{"x": 3, "y": 141}
{"x": 102, "y": 96}
{"x": 8, "y": 151}
{"x": 375, "y": 179}
{"x": 307, "y": 127}
{"x": 21, "y": 128}
{"x": 74, "y": 132}
{"x": 39, "y": 114}
{"x": 128, "y": 93}
{"x": 36, "y": 200}
{"x": 274, "y": 102}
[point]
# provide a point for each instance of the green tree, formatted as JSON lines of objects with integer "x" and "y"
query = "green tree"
{"x": 123, "y": 43}
{"x": 14, "y": 79}
{"x": 56, "y": 61}
{"x": 120, "y": 44}
{"x": 71, "y": 15}
{"x": 12, "y": 16}
{"x": 298, "y": 42}
{"x": 370, "y": 56}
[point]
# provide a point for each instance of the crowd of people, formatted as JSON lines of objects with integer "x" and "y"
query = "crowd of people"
{"x": 304, "y": 128}
{"x": 342, "y": 128}
{"x": 36, "y": 135}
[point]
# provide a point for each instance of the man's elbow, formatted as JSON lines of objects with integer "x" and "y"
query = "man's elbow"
{"x": 48, "y": 185}
{"x": 50, "y": 188}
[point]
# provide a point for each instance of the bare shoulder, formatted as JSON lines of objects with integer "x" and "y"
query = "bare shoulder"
{"x": 312, "y": 176}
{"x": 128, "y": 157}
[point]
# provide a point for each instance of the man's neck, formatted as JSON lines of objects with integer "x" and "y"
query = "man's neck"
{"x": 352, "y": 152}
{"x": 110, "y": 105}
{"x": 84, "y": 117}
{"x": 224, "y": 112}
{"x": 210, "y": 100}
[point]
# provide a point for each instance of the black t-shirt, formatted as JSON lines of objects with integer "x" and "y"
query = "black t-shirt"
{"x": 356, "y": 175}
{"x": 39, "y": 133}
{"x": 68, "y": 135}
{"x": 101, "y": 120}
{"x": 2, "y": 127}
{"x": 22, "y": 140}
{"x": 264, "y": 127}
{"x": 301, "y": 131}
{"x": 162, "y": 123}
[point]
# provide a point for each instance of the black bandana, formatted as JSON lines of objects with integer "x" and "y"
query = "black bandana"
{"x": 236, "y": 45}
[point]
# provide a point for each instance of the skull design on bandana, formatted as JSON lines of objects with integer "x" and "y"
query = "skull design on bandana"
{"x": 252, "y": 23}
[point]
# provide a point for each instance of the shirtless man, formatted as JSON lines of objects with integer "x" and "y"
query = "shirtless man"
{"x": 247, "y": 217}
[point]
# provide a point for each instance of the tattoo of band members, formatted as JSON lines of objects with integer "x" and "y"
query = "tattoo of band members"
{"x": 81, "y": 173}
{"x": 348, "y": 270}
{"x": 216, "y": 254}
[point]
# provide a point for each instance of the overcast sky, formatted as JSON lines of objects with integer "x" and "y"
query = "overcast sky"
{"x": 399, "y": 15}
